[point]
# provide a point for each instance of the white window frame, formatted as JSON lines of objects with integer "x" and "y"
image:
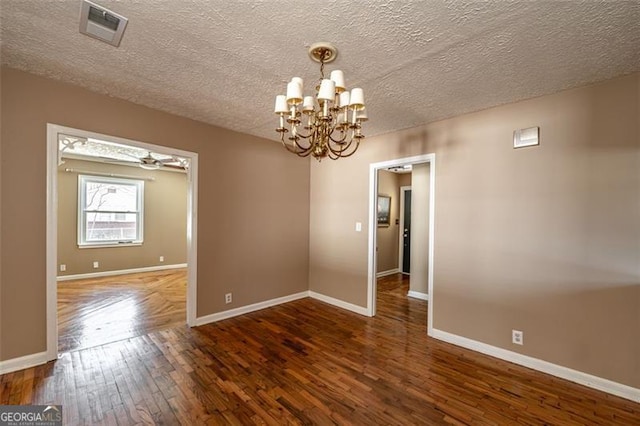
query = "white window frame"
{"x": 82, "y": 182}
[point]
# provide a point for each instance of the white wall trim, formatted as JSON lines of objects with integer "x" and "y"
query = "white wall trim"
{"x": 575, "y": 376}
{"x": 339, "y": 303}
{"x": 219, "y": 316}
{"x": 192, "y": 240}
{"x": 388, "y": 272}
{"x": 372, "y": 256}
{"x": 52, "y": 244}
{"x": 418, "y": 295}
{"x": 120, "y": 272}
{"x": 15, "y": 364}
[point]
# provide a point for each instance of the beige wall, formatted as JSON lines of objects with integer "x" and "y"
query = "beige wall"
{"x": 419, "y": 281}
{"x": 387, "y": 236}
{"x": 542, "y": 239}
{"x": 252, "y": 232}
{"x": 404, "y": 179}
{"x": 165, "y": 221}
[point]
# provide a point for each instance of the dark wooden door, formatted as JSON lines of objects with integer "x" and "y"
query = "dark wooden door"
{"x": 406, "y": 235}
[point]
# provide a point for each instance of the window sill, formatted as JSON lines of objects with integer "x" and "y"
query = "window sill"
{"x": 109, "y": 245}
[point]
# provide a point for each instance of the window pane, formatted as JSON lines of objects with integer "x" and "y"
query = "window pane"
{"x": 110, "y": 196}
{"x": 111, "y": 227}
{"x": 110, "y": 210}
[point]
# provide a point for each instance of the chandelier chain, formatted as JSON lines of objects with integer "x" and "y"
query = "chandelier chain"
{"x": 322, "y": 55}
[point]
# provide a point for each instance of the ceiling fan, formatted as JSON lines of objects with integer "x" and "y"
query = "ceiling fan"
{"x": 110, "y": 152}
{"x": 149, "y": 162}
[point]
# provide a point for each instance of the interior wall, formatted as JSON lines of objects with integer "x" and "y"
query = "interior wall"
{"x": 404, "y": 179}
{"x": 252, "y": 232}
{"x": 387, "y": 236}
{"x": 165, "y": 221}
{"x": 541, "y": 239}
{"x": 419, "y": 270}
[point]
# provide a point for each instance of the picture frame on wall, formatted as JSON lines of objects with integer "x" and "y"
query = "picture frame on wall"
{"x": 384, "y": 210}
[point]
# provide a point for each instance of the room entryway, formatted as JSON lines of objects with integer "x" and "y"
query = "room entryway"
{"x": 404, "y": 230}
{"x": 121, "y": 238}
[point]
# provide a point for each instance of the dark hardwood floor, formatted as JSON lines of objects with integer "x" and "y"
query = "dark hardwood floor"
{"x": 102, "y": 310}
{"x": 306, "y": 362}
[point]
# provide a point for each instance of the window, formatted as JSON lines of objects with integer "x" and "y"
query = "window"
{"x": 109, "y": 211}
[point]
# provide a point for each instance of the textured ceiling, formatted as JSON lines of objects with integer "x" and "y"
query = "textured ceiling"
{"x": 223, "y": 62}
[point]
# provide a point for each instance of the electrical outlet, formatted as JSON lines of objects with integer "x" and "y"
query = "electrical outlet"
{"x": 517, "y": 337}
{"x": 96, "y": 265}
{"x": 63, "y": 267}
{"x": 161, "y": 258}
{"x": 227, "y": 298}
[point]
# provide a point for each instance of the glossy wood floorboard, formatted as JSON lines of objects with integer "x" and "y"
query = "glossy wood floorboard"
{"x": 95, "y": 311}
{"x": 306, "y": 362}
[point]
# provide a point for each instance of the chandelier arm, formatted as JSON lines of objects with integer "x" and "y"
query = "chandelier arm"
{"x": 304, "y": 154}
{"x": 352, "y": 152}
{"x": 295, "y": 148}
{"x": 300, "y": 147}
{"x": 342, "y": 145}
{"x": 338, "y": 141}
{"x": 338, "y": 152}
{"x": 307, "y": 136}
{"x": 345, "y": 149}
{"x": 289, "y": 148}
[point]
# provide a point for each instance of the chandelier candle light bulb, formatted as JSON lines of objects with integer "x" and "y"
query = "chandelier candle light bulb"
{"x": 333, "y": 115}
{"x": 344, "y": 99}
{"x": 337, "y": 77}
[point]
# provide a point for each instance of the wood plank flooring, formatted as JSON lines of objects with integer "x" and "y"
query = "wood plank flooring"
{"x": 102, "y": 310}
{"x": 307, "y": 362}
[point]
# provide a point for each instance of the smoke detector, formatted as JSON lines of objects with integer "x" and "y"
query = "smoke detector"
{"x": 101, "y": 23}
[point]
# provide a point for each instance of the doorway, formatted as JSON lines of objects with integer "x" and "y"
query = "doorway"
{"x": 53, "y": 161}
{"x": 404, "y": 243}
{"x": 372, "y": 255}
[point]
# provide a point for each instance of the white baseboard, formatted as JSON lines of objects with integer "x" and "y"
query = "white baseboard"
{"x": 249, "y": 308}
{"x": 23, "y": 362}
{"x": 339, "y": 303}
{"x": 579, "y": 377}
{"x": 389, "y": 272}
{"x": 418, "y": 295}
{"x": 120, "y": 272}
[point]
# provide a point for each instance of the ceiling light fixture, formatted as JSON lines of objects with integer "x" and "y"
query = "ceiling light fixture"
{"x": 150, "y": 166}
{"x": 149, "y": 162}
{"x": 333, "y": 117}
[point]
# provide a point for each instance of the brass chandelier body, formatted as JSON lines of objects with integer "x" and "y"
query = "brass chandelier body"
{"x": 328, "y": 124}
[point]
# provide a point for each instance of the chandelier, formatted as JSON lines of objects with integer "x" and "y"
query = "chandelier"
{"x": 328, "y": 124}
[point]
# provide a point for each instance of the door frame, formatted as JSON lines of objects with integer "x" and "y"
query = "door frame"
{"x": 373, "y": 226}
{"x": 52, "y": 223}
{"x": 403, "y": 190}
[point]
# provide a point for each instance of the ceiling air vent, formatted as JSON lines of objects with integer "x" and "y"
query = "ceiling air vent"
{"x": 101, "y": 23}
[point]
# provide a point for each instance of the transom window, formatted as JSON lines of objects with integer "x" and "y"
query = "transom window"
{"x": 110, "y": 211}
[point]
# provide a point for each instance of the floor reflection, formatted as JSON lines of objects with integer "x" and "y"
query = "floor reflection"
{"x": 97, "y": 311}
